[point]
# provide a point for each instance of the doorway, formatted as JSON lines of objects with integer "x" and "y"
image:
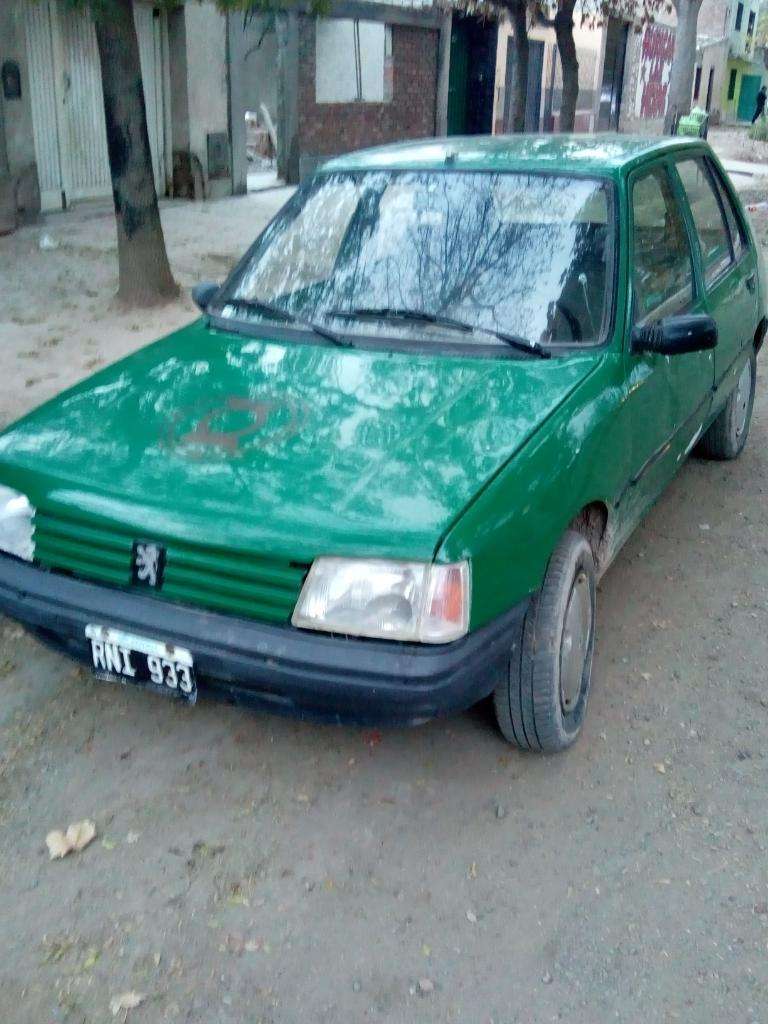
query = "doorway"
{"x": 710, "y": 87}
{"x": 68, "y": 104}
{"x": 472, "y": 76}
{"x": 750, "y": 87}
{"x": 613, "y": 75}
{"x": 260, "y": 149}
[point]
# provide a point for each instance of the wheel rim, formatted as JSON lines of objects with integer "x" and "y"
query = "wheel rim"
{"x": 574, "y": 646}
{"x": 741, "y": 401}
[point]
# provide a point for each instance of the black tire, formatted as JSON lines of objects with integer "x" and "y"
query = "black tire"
{"x": 532, "y": 709}
{"x": 727, "y": 435}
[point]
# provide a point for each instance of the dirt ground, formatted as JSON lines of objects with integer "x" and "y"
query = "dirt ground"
{"x": 252, "y": 869}
{"x": 733, "y": 143}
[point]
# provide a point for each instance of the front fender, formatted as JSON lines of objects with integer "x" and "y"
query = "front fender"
{"x": 581, "y": 454}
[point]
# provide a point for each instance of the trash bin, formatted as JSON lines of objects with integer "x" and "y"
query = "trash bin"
{"x": 696, "y": 123}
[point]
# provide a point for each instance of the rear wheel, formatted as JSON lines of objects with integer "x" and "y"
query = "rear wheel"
{"x": 726, "y": 437}
{"x": 541, "y": 702}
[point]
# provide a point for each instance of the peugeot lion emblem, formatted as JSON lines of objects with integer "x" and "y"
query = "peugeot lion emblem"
{"x": 148, "y": 564}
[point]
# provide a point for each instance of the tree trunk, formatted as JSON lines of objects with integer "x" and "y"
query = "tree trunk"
{"x": 145, "y": 276}
{"x": 684, "y": 62}
{"x": 569, "y": 62}
{"x": 519, "y": 14}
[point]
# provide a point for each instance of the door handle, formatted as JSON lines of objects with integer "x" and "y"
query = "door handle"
{"x": 751, "y": 283}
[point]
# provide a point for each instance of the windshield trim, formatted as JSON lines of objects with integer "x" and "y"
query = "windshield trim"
{"x": 267, "y": 331}
{"x": 607, "y": 330}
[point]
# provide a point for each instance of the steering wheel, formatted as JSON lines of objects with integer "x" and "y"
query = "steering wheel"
{"x": 574, "y": 325}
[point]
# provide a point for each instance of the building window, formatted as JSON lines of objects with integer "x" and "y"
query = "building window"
{"x": 697, "y": 83}
{"x": 353, "y": 61}
{"x": 732, "y": 83}
{"x": 739, "y": 16}
{"x": 751, "y": 23}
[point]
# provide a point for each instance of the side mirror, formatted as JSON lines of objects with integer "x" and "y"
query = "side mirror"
{"x": 203, "y": 293}
{"x": 676, "y": 335}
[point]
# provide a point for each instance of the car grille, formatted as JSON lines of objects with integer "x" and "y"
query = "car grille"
{"x": 238, "y": 583}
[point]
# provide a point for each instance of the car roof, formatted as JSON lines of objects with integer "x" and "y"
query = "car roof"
{"x": 605, "y": 154}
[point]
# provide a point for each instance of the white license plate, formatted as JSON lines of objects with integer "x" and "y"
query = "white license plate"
{"x": 142, "y": 660}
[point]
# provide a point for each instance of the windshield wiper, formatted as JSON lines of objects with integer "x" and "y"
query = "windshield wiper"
{"x": 398, "y": 313}
{"x": 267, "y": 309}
{"x": 533, "y": 348}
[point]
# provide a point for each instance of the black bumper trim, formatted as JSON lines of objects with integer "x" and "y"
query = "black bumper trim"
{"x": 277, "y": 668}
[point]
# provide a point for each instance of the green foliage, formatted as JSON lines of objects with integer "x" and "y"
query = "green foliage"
{"x": 759, "y": 130}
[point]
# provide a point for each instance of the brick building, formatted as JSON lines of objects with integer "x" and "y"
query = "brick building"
{"x": 365, "y": 74}
{"x": 402, "y": 105}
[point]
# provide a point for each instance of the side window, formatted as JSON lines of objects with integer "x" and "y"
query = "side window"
{"x": 738, "y": 238}
{"x": 707, "y": 216}
{"x": 663, "y": 267}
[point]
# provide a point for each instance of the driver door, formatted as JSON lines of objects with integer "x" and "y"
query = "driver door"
{"x": 669, "y": 395}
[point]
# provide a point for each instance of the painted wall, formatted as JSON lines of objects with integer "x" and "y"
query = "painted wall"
{"x": 714, "y": 58}
{"x": 730, "y": 107}
{"x": 646, "y": 76}
{"x": 206, "y": 60}
{"x": 589, "y": 48}
{"x": 254, "y": 77}
{"x": 19, "y": 144}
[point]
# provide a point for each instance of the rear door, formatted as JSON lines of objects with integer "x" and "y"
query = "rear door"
{"x": 669, "y": 396}
{"x": 729, "y": 267}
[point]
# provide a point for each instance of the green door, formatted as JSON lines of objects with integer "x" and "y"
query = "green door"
{"x": 457, "y": 82}
{"x": 750, "y": 87}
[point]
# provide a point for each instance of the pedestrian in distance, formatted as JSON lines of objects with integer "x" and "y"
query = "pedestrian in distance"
{"x": 760, "y": 103}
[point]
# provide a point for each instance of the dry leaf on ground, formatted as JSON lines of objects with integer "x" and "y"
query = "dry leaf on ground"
{"x": 77, "y": 837}
{"x": 125, "y": 1001}
{"x": 57, "y": 844}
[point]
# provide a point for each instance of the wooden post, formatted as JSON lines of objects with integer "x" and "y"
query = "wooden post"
{"x": 443, "y": 74}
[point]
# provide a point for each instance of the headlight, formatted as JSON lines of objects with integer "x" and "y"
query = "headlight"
{"x": 415, "y": 601}
{"x": 16, "y": 524}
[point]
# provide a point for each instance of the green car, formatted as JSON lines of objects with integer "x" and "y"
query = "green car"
{"x": 379, "y": 478}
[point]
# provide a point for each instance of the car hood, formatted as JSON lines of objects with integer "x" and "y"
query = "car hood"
{"x": 286, "y": 447}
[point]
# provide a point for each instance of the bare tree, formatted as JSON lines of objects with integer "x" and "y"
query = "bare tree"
{"x": 561, "y": 14}
{"x": 518, "y": 11}
{"x": 145, "y": 276}
{"x": 569, "y": 62}
{"x": 144, "y": 271}
{"x": 684, "y": 62}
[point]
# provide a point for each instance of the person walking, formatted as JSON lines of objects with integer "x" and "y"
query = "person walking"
{"x": 760, "y": 103}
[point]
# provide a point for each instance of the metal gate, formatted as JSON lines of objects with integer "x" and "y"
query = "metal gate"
{"x": 68, "y": 105}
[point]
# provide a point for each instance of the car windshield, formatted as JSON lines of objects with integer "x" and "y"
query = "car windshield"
{"x": 439, "y": 256}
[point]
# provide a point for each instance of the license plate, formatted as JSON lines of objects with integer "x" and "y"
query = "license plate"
{"x": 142, "y": 661}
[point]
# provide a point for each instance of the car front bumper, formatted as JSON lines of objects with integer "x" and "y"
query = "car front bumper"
{"x": 272, "y": 667}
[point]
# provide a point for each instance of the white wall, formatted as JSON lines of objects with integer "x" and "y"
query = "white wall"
{"x": 206, "y": 83}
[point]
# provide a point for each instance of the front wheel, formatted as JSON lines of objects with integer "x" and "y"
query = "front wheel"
{"x": 726, "y": 437}
{"x": 542, "y": 699}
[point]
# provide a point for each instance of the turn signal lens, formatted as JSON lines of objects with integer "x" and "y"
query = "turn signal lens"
{"x": 412, "y": 601}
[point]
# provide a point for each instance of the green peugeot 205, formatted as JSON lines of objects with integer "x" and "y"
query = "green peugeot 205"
{"x": 379, "y": 478}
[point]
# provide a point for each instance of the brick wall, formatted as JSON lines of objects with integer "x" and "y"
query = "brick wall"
{"x": 328, "y": 129}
